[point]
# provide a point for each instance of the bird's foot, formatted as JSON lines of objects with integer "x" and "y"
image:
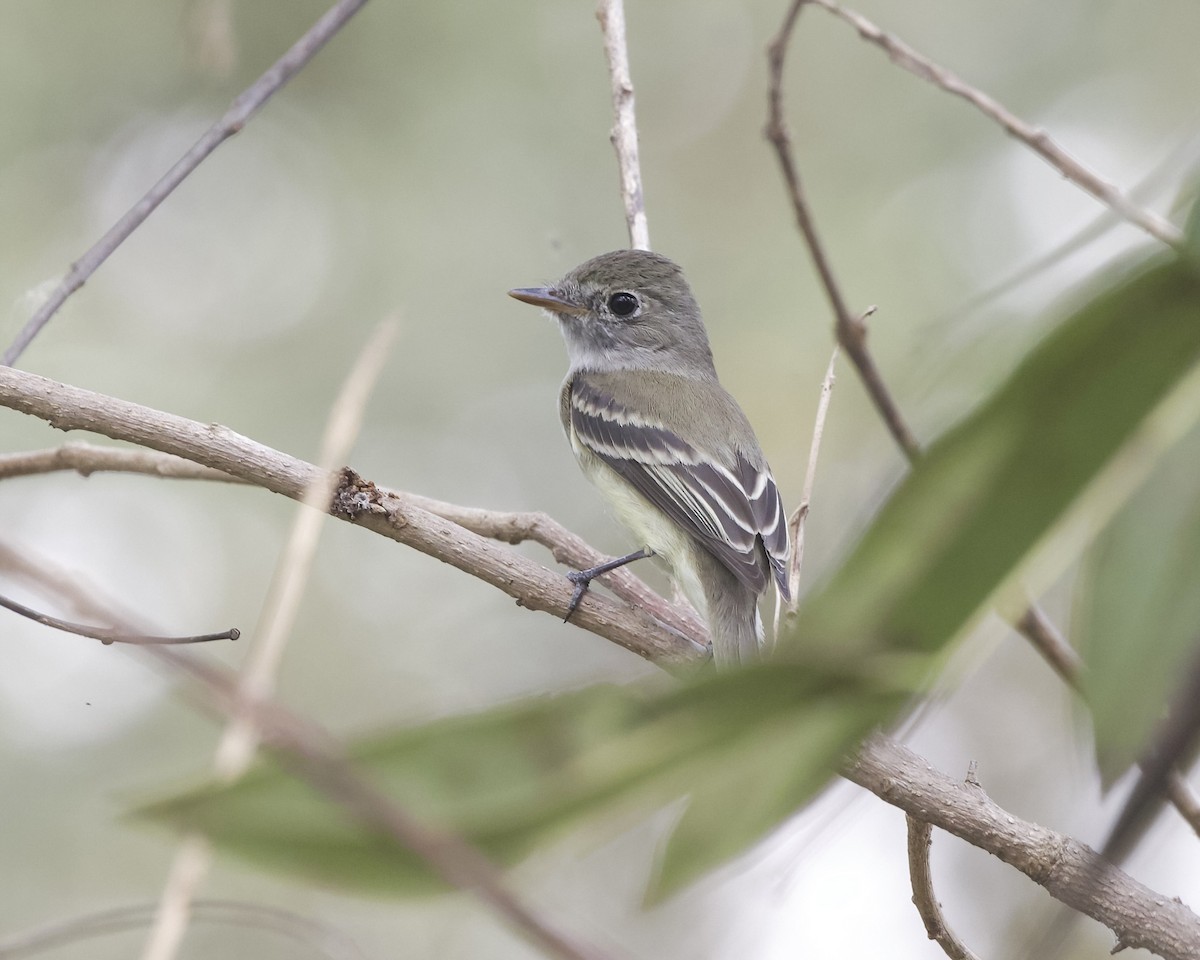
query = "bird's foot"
{"x": 583, "y": 578}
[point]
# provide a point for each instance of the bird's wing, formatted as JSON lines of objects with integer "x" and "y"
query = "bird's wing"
{"x": 729, "y": 509}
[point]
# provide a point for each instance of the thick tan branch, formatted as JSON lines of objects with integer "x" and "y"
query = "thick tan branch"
{"x": 1138, "y": 916}
{"x": 391, "y": 514}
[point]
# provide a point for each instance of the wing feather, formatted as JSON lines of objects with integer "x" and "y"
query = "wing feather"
{"x": 731, "y": 510}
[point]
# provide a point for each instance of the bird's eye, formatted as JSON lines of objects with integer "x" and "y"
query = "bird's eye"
{"x": 623, "y": 304}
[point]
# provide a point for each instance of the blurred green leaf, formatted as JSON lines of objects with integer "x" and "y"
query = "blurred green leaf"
{"x": 510, "y": 778}
{"x": 988, "y": 491}
{"x": 1138, "y": 609}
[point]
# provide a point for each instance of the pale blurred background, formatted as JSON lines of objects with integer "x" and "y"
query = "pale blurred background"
{"x": 432, "y": 157}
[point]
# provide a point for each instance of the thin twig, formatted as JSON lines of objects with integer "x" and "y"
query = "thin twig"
{"x": 920, "y": 839}
{"x": 282, "y": 605}
{"x": 392, "y": 515}
{"x": 108, "y": 635}
{"x": 850, "y": 330}
{"x": 1033, "y": 137}
{"x": 624, "y": 136}
{"x": 799, "y": 519}
{"x": 88, "y": 458}
{"x": 238, "y": 743}
{"x": 186, "y": 874}
{"x": 1165, "y": 173}
{"x": 320, "y": 938}
{"x": 239, "y": 113}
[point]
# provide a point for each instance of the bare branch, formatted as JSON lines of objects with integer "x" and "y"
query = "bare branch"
{"x": 88, "y": 458}
{"x": 800, "y": 517}
{"x": 571, "y": 550}
{"x": 1047, "y": 640}
{"x": 188, "y": 870}
{"x": 920, "y": 839}
{"x": 624, "y": 136}
{"x": 390, "y": 514}
{"x": 1033, "y": 137}
{"x": 109, "y": 635}
{"x": 239, "y": 113}
{"x": 507, "y": 526}
{"x": 850, "y": 330}
{"x": 1138, "y": 916}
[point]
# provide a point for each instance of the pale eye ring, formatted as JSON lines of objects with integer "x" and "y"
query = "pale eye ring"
{"x": 623, "y": 304}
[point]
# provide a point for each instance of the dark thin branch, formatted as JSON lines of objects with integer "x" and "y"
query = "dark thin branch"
{"x": 107, "y": 635}
{"x": 849, "y": 329}
{"x": 239, "y": 113}
{"x": 920, "y": 839}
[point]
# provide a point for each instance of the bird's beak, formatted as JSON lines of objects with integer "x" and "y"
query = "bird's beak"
{"x": 548, "y": 298}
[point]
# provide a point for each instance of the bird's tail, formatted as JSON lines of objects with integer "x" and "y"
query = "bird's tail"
{"x": 733, "y": 620}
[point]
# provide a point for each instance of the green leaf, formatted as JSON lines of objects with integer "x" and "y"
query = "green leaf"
{"x": 510, "y": 778}
{"x": 991, "y": 489}
{"x": 1138, "y": 609}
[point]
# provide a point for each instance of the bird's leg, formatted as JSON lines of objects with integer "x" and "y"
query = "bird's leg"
{"x": 583, "y": 578}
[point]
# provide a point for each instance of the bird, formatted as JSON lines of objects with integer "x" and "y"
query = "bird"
{"x": 654, "y": 430}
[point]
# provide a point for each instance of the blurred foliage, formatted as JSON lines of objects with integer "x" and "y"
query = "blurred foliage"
{"x": 428, "y": 160}
{"x": 1139, "y": 610}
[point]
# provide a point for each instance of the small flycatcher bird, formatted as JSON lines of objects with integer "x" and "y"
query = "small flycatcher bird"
{"x": 654, "y": 430}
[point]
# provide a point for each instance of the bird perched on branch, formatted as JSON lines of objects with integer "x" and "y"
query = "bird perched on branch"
{"x": 654, "y": 430}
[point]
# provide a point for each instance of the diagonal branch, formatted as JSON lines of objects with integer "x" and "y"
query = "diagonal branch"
{"x": 849, "y": 329}
{"x": 239, "y": 113}
{"x": 507, "y": 526}
{"x": 1139, "y": 916}
{"x": 393, "y": 515}
{"x": 1037, "y": 139}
